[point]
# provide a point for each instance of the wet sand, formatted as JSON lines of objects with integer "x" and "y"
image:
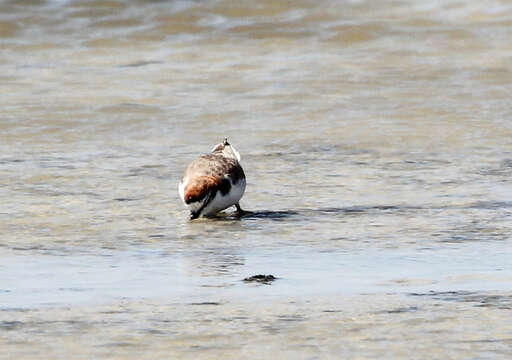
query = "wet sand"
{"x": 431, "y": 325}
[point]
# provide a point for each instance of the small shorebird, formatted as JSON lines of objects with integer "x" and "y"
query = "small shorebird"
{"x": 213, "y": 182}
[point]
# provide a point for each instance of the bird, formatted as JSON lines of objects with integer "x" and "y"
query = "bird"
{"x": 213, "y": 182}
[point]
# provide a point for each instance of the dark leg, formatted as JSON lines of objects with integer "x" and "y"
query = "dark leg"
{"x": 194, "y": 215}
{"x": 239, "y": 210}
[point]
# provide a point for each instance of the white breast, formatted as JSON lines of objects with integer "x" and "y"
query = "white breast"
{"x": 221, "y": 202}
{"x": 181, "y": 188}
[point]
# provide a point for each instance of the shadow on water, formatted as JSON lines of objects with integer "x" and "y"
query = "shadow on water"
{"x": 304, "y": 212}
{"x": 279, "y": 215}
{"x": 269, "y": 214}
{"x": 261, "y": 214}
{"x": 365, "y": 209}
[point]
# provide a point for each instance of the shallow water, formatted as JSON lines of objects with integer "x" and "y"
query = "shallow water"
{"x": 377, "y": 142}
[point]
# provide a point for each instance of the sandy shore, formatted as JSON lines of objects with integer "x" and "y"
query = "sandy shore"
{"x": 418, "y": 326}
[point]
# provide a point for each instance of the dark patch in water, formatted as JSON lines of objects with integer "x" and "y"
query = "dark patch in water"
{"x": 290, "y": 317}
{"x": 117, "y": 344}
{"x": 72, "y": 289}
{"x": 490, "y": 205}
{"x": 506, "y": 163}
{"x": 399, "y": 310}
{"x": 360, "y": 209}
{"x": 455, "y": 239}
{"x": 443, "y": 295}
{"x": 10, "y": 161}
{"x": 112, "y": 312}
{"x": 153, "y": 331}
{"x": 206, "y": 303}
{"x": 141, "y": 63}
{"x": 124, "y": 199}
{"x": 504, "y": 169}
{"x": 6, "y": 309}
{"x": 485, "y": 341}
{"x": 262, "y": 279}
{"x": 479, "y": 299}
{"x": 152, "y": 166}
{"x": 10, "y": 325}
{"x": 335, "y": 210}
{"x": 28, "y": 248}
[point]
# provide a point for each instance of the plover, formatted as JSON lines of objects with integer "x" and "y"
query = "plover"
{"x": 213, "y": 182}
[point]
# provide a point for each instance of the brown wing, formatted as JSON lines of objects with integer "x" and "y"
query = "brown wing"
{"x": 199, "y": 187}
{"x": 210, "y": 173}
